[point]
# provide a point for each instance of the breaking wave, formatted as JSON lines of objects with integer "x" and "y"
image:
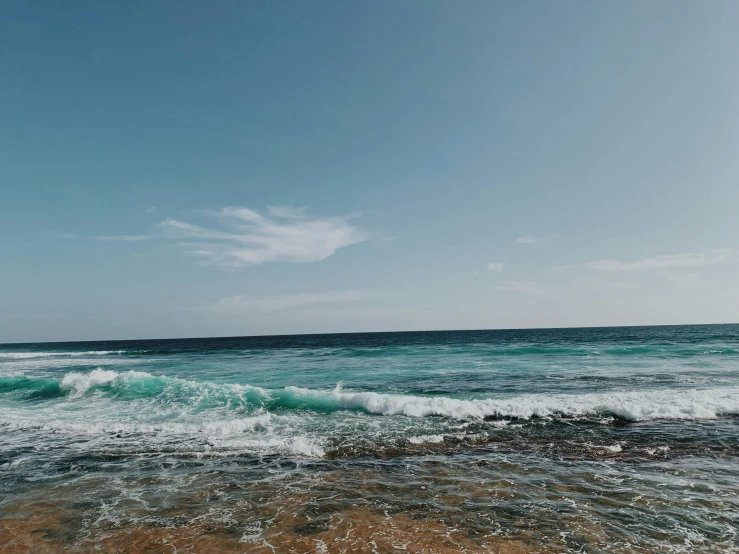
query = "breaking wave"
{"x": 195, "y": 396}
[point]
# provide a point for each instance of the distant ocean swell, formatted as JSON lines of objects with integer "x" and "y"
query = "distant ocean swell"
{"x": 666, "y": 350}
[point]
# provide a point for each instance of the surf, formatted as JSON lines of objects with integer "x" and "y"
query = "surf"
{"x": 200, "y": 396}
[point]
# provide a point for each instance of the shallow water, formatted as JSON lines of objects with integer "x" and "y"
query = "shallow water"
{"x": 570, "y": 440}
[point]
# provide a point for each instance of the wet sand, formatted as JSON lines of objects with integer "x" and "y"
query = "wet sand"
{"x": 47, "y": 528}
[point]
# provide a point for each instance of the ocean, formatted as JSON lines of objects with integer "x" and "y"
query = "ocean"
{"x": 548, "y": 440}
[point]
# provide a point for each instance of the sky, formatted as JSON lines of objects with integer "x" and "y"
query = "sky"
{"x": 185, "y": 169}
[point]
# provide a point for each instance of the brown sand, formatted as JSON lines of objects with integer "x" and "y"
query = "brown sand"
{"x": 46, "y": 528}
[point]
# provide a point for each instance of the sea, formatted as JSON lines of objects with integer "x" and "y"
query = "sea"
{"x": 621, "y": 439}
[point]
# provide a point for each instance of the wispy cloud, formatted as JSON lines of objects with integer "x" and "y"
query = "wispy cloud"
{"x": 241, "y": 304}
{"x": 243, "y": 237}
{"x": 287, "y": 212}
{"x": 518, "y": 286}
{"x": 105, "y": 238}
{"x": 526, "y": 240}
{"x": 495, "y": 267}
{"x": 690, "y": 259}
{"x": 616, "y": 286}
{"x": 239, "y": 236}
{"x": 124, "y": 238}
{"x": 688, "y": 279}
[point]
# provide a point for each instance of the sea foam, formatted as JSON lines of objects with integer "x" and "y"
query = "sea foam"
{"x": 675, "y": 404}
{"x": 79, "y": 383}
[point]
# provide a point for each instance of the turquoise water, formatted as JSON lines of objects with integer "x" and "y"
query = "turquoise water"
{"x": 598, "y": 415}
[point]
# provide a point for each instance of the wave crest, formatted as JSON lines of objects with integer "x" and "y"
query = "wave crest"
{"x": 668, "y": 404}
{"x": 79, "y": 383}
{"x": 632, "y": 405}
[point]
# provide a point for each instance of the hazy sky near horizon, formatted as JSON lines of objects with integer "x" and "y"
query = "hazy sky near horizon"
{"x": 180, "y": 168}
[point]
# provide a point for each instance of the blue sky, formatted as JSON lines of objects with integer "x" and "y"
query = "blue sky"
{"x": 234, "y": 168}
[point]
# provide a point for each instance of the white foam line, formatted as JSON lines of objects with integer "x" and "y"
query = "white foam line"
{"x": 673, "y": 404}
{"x": 23, "y": 355}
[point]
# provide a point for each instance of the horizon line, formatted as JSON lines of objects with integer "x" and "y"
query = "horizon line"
{"x": 366, "y": 333}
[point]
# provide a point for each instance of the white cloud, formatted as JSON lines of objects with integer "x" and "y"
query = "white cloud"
{"x": 241, "y": 304}
{"x": 286, "y": 212}
{"x": 660, "y": 262}
{"x": 495, "y": 267}
{"x": 124, "y": 238}
{"x": 526, "y": 240}
{"x": 688, "y": 279}
{"x": 111, "y": 238}
{"x": 243, "y": 237}
{"x": 618, "y": 286}
{"x": 518, "y": 286}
